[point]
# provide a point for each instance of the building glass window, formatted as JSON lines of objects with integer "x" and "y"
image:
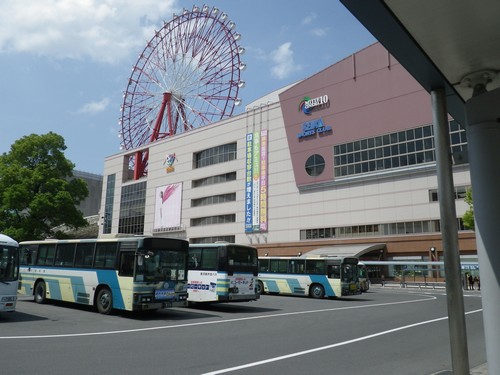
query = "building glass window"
{"x": 108, "y": 204}
{"x": 132, "y": 208}
{"x": 210, "y": 220}
{"x": 215, "y": 155}
{"x": 460, "y": 193}
{"x": 230, "y": 239}
{"x": 212, "y": 180}
{"x": 386, "y": 229}
{"x": 315, "y": 165}
{"x": 394, "y": 150}
{"x": 214, "y": 199}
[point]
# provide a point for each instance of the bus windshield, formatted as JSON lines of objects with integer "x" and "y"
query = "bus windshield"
{"x": 161, "y": 265}
{"x": 8, "y": 263}
{"x": 349, "y": 272}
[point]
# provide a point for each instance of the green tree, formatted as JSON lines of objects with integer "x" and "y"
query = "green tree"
{"x": 37, "y": 189}
{"x": 468, "y": 217}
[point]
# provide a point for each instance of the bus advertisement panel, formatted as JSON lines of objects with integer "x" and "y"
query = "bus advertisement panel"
{"x": 222, "y": 272}
{"x": 312, "y": 276}
{"x": 9, "y": 273}
{"x": 124, "y": 273}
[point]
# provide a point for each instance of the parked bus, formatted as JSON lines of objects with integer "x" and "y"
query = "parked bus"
{"x": 364, "y": 282}
{"x": 313, "y": 276}
{"x": 134, "y": 273}
{"x": 9, "y": 273}
{"x": 222, "y": 272}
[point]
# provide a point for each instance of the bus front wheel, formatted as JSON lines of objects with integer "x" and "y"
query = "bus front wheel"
{"x": 104, "y": 301}
{"x": 317, "y": 291}
{"x": 40, "y": 292}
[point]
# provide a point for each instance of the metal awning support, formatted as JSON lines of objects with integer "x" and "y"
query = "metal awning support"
{"x": 483, "y": 138}
{"x": 449, "y": 230}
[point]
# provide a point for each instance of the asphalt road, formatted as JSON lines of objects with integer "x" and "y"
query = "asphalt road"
{"x": 384, "y": 331}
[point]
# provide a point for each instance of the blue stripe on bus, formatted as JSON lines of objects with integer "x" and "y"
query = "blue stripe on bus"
{"x": 109, "y": 277}
{"x": 323, "y": 280}
{"x": 54, "y": 288}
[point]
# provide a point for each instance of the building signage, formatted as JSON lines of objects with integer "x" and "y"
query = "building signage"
{"x": 256, "y": 182}
{"x": 313, "y": 127}
{"x": 307, "y": 104}
{"x": 169, "y": 162}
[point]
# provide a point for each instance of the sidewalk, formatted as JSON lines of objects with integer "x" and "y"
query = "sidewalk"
{"x": 419, "y": 285}
{"x": 479, "y": 370}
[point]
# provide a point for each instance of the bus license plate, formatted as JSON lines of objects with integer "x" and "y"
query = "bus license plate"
{"x": 164, "y": 294}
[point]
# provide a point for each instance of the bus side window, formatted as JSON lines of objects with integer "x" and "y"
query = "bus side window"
{"x": 65, "y": 254}
{"x": 105, "y": 255}
{"x": 46, "y": 255}
{"x": 127, "y": 264}
{"x": 263, "y": 265}
{"x": 194, "y": 261}
{"x": 84, "y": 254}
{"x": 28, "y": 255}
{"x": 334, "y": 272}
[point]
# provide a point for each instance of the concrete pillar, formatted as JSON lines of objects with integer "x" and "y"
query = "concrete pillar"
{"x": 483, "y": 138}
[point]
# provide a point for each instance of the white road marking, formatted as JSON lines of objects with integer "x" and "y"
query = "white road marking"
{"x": 425, "y": 299}
{"x": 291, "y": 355}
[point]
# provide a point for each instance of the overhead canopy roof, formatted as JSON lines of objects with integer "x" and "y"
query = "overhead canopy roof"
{"x": 440, "y": 42}
{"x": 346, "y": 250}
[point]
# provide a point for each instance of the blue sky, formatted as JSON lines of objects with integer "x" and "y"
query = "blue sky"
{"x": 64, "y": 64}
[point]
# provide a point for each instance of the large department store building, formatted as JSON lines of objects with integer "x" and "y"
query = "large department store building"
{"x": 344, "y": 159}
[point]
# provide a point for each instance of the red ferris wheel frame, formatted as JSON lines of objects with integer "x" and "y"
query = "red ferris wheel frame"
{"x": 187, "y": 76}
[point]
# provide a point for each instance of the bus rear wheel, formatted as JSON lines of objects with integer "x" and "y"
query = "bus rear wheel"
{"x": 40, "y": 292}
{"x": 317, "y": 291}
{"x": 104, "y": 301}
{"x": 260, "y": 287}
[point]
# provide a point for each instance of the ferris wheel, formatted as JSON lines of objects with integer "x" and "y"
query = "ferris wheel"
{"x": 187, "y": 76}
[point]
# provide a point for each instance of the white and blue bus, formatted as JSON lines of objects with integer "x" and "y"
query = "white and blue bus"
{"x": 222, "y": 272}
{"x": 312, "y": 276}
{"x": 135, "y": 273}
{"x": 9, "y": 273}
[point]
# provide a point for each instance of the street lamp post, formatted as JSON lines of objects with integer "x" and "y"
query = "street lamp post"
{"x": 434, "y": 258}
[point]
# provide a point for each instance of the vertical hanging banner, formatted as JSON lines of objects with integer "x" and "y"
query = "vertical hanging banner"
{"x": 256, "y": 182}
{"x": 263, "y": 181}
{"x": 248, "y": 184}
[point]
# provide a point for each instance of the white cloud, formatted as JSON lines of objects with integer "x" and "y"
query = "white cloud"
{"x": 283, "y": 58}
{"x": 320, "y": 31}
{"x": 95, "y": 107}
{"x": 103, "y": 30}
{"x": 309, "y": 18}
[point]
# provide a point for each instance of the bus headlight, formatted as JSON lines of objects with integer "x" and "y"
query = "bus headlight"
{"x": 143, "y": 298}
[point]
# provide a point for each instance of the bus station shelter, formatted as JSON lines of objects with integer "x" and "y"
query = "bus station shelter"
{"x": 452, "y": 49}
